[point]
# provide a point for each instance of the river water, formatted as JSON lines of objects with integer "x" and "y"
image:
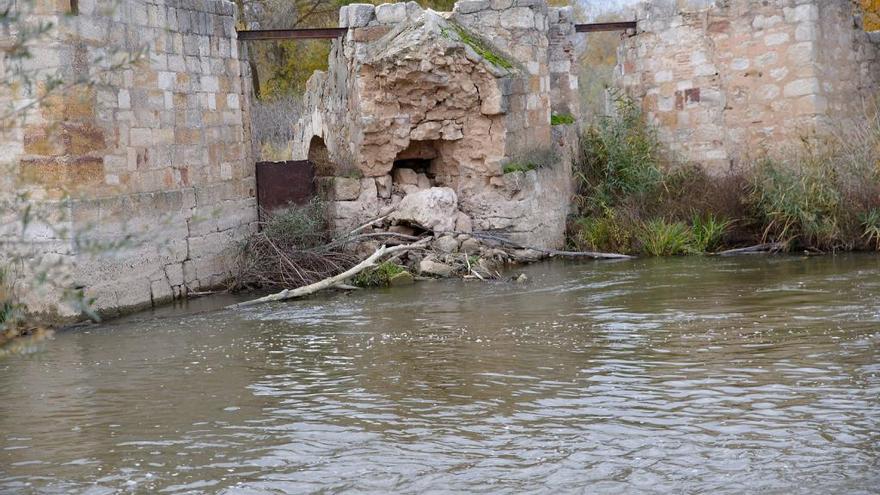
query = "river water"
{"x": 682, "y": 375}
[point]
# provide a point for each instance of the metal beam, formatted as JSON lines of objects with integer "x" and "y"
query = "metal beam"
{"x": 333, "y": 33}
{"x": 291, "y": 34}
{"x": 604, "y": 26}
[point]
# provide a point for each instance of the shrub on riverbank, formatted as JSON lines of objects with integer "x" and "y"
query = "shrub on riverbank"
{"x": 823, "y": 196}
{"x": 292, "y": 248}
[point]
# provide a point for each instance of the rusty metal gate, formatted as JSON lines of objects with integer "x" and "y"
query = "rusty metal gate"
{"x": 280, "y": 184}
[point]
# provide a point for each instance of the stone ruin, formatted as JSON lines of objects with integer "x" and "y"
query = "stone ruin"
{"x": 421, "y": 113}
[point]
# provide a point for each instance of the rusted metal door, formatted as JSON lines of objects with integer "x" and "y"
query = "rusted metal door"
{"x": 281, "y": 183}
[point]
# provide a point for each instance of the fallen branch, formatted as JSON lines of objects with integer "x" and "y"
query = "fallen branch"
{"x": 585, "y": 254}
{"x": 552, "y": 252}
{"x": 330, "y": 281}
{"x": 360, "y": 237}
{"x": 368, "y": 224}
{"x": 769, "y": 247}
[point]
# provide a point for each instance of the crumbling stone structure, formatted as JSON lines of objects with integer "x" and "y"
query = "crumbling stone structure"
{"x": 416, "y": 99}
{"x": 156, "y": 151}
{"x": 727, "y": 80}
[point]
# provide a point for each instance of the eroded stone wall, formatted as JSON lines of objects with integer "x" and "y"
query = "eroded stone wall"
{"x": 727, "y": 81}
{"x": 459, "y": 94}
{"x": 155, "y": 152}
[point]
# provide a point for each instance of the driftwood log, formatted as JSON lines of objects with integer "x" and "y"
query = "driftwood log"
{"x": 553, "y": 252}
{"x": 769, "y": 247}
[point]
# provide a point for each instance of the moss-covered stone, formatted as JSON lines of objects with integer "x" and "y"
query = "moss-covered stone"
{"x": 481, "y": 47}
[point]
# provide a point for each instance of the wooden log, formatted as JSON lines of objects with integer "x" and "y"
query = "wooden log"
{"x": 768, "y": 247}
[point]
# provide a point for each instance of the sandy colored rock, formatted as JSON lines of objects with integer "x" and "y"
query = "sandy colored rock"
{"x": 463, "y": 223}
{"x": 432, "y": 209}
{"x": 446, "y": 244}
{"x": 430, "y": 267}
{"x": 346, "y": 189}
{"x": 401, "y": 279}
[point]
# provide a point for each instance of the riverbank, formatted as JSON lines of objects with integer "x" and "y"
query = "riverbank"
{"x": 634, "y": 196}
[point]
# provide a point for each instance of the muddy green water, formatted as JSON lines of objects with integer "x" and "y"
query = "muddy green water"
{"x": 747, "y": 375}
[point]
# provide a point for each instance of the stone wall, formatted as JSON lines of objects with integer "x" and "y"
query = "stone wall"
{"x": 727, "y": 81}
{"x": 155, "y": 152}
{"x": 450, "y": 98}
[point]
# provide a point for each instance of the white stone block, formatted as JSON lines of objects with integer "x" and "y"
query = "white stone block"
{"x": 740, "y": 64}
{"x": 210, "y": 84}
{"x": 140, "y": 136}
{"x": 802, "y": 13}
{"x": 232, "y": 100}
{"x": 391, "y": 13}
{"x": 360, "y": 14}
{"x": 802, "y": 87}
{"x": 471, "y": 6}
{"x": 805, "y": 31}
{"x": 124, "y": 98}
{"x": 776, "y": 39}
{"x": 518, "y": 18}
{"x": 166, "y": 80}
{"x": 663, "y": 76}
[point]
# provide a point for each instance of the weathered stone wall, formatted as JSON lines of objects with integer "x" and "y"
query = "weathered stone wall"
{"x": 466, "y": 91}
{"x": 725, "y": 81}
{"x": 156, "y": 151}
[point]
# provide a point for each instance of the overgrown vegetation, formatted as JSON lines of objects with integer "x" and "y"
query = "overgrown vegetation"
{"x": 825, "y": 196}
{"x": 562, "y": 119}
{"x": 619, "y": 160}
{"x": 292, "y": 248}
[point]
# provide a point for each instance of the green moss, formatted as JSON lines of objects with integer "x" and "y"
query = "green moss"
{"x": 379, "y": 276}
{"x": 561, "y": 119}
{"x": 518, "y": 167}
{"x": 481, "y": 47}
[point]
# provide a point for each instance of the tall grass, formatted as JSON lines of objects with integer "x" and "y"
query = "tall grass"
{"x": 824, "y": 194}
{"x": 662, "y": 238}
{"x": 707, "y": 232}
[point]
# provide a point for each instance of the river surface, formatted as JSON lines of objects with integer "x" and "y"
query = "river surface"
{"x": 685, "y": 375}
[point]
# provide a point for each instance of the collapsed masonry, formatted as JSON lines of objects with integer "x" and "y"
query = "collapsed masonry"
{"x": 725, "y": 81}
{"x": 417, "y": 100}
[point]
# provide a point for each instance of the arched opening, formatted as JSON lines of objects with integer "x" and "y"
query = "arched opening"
{"x": 319, "y": 156}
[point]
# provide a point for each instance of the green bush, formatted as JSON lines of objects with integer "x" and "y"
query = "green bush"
{"x": 659, "y": 237}
{"x": 380, "y": 276}
{"x": 619, "y": 160}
